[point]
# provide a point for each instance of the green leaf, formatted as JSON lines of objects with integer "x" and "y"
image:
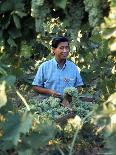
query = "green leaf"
{"x": 11, "y": 128}
{"x": 6, "y": 6}
{"x": 2, "y": 71}
{"x": 39, "y": 25}
{"x": 110, "y": 32}
{"x": 112, "y": 99}
{"x": 26, "y": 122}
{"x": 17, "y": 21}
{"x": 19, "y": 5}
{"x": 6, "y": 145}
{"x": 3, "y": 97}
{"x": 5, "y": 22}
{"x": 113, "y": 3}
{"x": 1, "y": 35}
{"x": 20, "y": 14}
{"x": 46, "y": 132}
{"x": 60, "y": 3}
{"x": 16, "y": 124}
{"x": 14, "y": 33}
{"x": 112, "y": 44}
{"x": 9, "y": 79}
{"x": 11, "y": 42}
{"x": 25, "y": 152}
{"x": 26, "y": 50}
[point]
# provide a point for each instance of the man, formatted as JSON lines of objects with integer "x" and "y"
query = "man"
{"x": 54, "y": 75}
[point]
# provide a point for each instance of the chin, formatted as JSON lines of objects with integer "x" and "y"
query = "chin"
{"x": 63, "y": 58}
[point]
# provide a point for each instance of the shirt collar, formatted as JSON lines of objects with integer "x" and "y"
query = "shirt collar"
{"x": 55, "y": 62}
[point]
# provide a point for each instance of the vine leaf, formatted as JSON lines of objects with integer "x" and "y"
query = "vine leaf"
{"x": 61, "y": 3}
{"x": 15, "y": 125}
{"x": 16, "y": 21}
{"x": 3, "y": 97}
{"x": 46, "y": 132}
{"x": 25, "y": 152}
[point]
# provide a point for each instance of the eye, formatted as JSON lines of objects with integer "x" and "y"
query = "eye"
{"x": 62, "y": 48}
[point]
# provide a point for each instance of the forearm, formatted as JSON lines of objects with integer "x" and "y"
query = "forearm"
{"x": 42, "y": 90}
{"x": 45, "y": 91}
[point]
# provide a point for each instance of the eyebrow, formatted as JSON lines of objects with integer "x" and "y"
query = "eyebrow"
{"x": 64, "y": 46}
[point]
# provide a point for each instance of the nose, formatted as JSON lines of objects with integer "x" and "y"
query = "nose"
{"x": 64, "y": 50}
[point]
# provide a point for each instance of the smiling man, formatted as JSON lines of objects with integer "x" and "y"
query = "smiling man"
{"x": 54, "y": 75}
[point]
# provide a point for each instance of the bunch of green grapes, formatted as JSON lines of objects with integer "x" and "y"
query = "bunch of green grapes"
{"x": 72, "y": 91}
{"x": 81, "y": 108}
{"x": 50, "y": 107}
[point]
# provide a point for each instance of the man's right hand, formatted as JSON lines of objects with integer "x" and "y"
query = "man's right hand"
{"x": 45, "y": 91}
{"x": 55, "y": 94}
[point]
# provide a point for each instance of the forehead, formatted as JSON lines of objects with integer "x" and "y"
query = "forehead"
{"x": 63, "y": 44}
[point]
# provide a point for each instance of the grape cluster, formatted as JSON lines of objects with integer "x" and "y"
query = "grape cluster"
{"x": 52, "y": 107}
{"x": 81, "y": 108}
{"x": 95, "y": 10}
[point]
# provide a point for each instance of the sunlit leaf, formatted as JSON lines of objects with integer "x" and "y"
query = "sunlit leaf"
{"x": 112, "y": 3}
{"x": 112, "y": 98}
{"x": 3, "y": 97}
{"x": 20, "y": 14}
{"x": 108, "y": 33}
{"x": 112, "y": 44}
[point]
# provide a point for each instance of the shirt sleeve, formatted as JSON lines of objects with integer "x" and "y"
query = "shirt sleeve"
{"x": 39, "y": 77}
{"x": 79, "y": 81}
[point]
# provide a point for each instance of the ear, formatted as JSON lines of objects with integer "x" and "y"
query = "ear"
{"x": 52, "y": 51}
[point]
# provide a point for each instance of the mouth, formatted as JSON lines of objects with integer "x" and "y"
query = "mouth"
{"x": 64, "y": 55}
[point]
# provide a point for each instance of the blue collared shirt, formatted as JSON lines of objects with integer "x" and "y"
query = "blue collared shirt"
{"x": 51, "y": 76}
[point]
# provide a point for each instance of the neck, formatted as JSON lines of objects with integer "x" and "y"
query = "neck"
{"x": 61, "y": 62}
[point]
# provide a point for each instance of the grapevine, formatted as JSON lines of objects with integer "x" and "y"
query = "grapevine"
{"x": 95, "y": 10}
{"x": 79, "y": 107}
{"x": 51, "y": 107}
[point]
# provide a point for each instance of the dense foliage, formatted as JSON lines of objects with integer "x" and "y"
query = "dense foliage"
{"x": 26, "y": 28}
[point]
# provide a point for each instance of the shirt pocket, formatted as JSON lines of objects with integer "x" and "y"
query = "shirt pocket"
{"x": 69, "y": 82}
{"x": 50, "y": 82}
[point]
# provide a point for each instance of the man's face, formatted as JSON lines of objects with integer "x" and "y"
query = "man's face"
{"x": 62, "y": 51}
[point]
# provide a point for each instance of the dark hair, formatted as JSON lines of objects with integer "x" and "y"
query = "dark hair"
{"x": 57, "y": 40}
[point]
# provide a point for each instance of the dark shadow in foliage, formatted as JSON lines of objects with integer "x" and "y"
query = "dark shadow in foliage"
{"x": 39, "y": 51}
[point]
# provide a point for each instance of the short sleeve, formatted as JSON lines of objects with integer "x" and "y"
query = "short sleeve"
{"x": 79, "y": 81}
{"x": 39, "y": 77}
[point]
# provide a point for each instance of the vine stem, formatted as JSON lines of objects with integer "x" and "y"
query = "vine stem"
{"x": 73, "y": 142}
{"x": 76, "y": 133}
{"x": 23, "y": 100}
{"x": 62, "y": 153}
